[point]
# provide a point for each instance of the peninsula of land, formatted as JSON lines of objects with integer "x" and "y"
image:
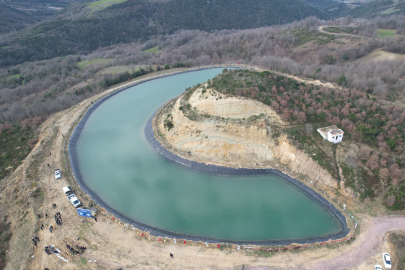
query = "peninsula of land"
{"x": 209, "y": 127}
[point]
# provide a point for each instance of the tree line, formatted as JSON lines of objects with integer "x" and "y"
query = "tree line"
{"x": 136, "y": 20}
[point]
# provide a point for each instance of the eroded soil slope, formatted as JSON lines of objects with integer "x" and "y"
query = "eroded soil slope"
{"x": 213, "y": 128}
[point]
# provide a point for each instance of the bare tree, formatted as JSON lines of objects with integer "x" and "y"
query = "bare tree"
{"x": 373, "y": 162}
{"x": 364, "y": 152}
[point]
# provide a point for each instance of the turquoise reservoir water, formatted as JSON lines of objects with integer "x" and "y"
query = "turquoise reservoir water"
{"x": 117, "y": 163}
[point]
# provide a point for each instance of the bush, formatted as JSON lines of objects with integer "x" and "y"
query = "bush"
{"x": 342, "y": 80}
{"x": 169, "y": 124}
{"x": 391, "y": 143}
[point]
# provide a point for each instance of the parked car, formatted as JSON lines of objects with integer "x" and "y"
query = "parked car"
{"x": 67, "y": 190}
{"x": 377, "y": 267}
{"x": 74, "y": 200}
{"x": 387, "y": 260}
{"x": 58, "y": 174}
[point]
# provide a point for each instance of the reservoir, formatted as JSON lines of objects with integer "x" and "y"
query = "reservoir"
{"x": 118, "y": 165}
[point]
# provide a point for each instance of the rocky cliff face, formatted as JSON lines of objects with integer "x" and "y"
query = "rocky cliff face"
{"x": 232, "y": 132}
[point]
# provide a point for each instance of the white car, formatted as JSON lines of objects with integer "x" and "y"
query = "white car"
{"x": 74, "y": 200}
{"x": 58, "y": 174}
{"x": 377, "y": 267}
{"x": 67, "y": 190}
{"x": 387, "y": 260}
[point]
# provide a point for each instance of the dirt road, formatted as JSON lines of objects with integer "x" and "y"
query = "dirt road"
{"x": 368, "y": 243}
{"x": 320, "y": 29}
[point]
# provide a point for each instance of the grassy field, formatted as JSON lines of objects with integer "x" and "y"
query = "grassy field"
{"x": 379, "y": 55}
{"x": 153, "y": 50}
{"x": 304, "y": 35}
{"x": 99, "y": 61}
{"x": 385, "y": 32}
{"x": 389, "y": 11}
{"x": 102, "y": 4}
{"x": 14, "y": 76}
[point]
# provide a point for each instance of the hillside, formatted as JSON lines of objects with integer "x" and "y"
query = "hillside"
{"x": 16, "y": 15}
{"x": 226, "y": 130}
{"x": 140, "y": 20}
{"x": 378, "y": 8}
{"x": 12, "y": 19}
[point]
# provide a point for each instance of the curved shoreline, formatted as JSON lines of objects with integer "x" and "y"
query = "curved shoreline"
{"x": 197, "y": 166}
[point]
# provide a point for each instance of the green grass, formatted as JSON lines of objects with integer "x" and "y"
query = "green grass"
{"x": 14, "y": 76}
{"x": 153, "y": 50}
{"x": 348, "y": 30}
{"x": 304, "y": 35}
{"x": 100, "y": 61}
{"x": 385, "y": 32}
{"x": 102, "y": 4}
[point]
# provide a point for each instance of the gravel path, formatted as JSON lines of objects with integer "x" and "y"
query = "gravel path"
{"x": 320, "y": 29}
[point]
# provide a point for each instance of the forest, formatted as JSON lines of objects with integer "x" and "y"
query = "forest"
{"x": 137, "y": 20}
{"x": 79, "y": 29}
{"x": 45, "y": 87}
{"x": 12, "y": 19}
{"x": 378, "y": 8}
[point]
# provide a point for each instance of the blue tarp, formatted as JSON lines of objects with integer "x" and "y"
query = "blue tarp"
{"x": 84, "y": 212}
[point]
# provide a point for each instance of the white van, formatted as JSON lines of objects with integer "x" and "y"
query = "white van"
{"x": 67, "y": 190}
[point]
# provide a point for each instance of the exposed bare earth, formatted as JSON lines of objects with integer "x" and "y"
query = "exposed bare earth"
{"x": 379, "y": 55}
{"x": 111, "y": 245}
{"x": 235, "y": 142}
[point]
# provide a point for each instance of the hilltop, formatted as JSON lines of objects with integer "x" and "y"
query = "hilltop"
{"x": 241, "y": 116}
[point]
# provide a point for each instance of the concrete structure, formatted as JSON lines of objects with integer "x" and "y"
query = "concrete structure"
{"x": 331, "y": 134}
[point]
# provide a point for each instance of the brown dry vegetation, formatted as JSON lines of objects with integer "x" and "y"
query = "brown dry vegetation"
{"x": 48, "y": 86}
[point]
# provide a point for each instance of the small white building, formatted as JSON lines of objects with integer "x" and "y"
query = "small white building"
{"x": 331, "y": 134}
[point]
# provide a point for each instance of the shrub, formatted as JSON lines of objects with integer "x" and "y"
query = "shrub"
{"x": 342, "y": 80}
